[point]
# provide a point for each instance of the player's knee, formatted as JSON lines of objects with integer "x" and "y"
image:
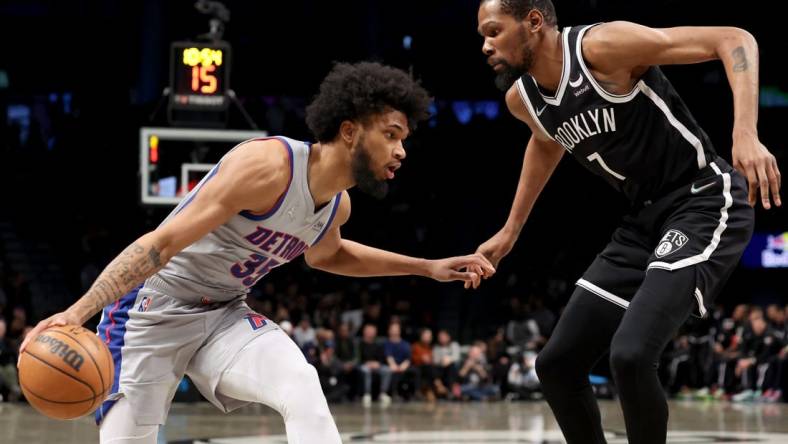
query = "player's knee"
{"x": 548, "y": 366}
{"x": 304, "y": 398}
{"x": 627, "y": 357}
{"x": 304, "y": 377}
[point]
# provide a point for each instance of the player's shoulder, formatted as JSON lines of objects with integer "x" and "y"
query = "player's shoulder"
{"x": 271, "y": 152}
{"x": 608, "y": 31}
{"x": 602, "y": 40}
{"x": 259, "y": 165}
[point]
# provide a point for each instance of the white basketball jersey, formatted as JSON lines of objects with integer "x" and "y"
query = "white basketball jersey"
{"x": 225, "y": 263}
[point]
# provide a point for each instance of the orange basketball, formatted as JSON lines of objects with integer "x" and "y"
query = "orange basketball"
{"x": 66, "y": 372}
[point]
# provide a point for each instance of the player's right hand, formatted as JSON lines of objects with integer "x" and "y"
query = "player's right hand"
{"x": 470, "y": 269}
{"x": 64, "y": 318}
{"x": 497, "y": 246}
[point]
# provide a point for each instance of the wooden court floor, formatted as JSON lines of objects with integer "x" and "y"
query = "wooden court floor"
{"x": 461, "y": 423}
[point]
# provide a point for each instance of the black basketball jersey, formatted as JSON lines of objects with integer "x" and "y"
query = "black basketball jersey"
{"x": 644, "y": 143}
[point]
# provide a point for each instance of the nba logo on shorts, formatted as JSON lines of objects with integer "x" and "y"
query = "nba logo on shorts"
{"x": 257, "y": 321}
{"x": 144, "y": 303}
{"x": 671, "y": 242}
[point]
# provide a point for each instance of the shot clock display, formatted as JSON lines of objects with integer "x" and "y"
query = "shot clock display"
{"x": 199, "y": 75}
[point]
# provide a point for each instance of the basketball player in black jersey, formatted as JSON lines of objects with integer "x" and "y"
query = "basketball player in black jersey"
{"x": 597, "y": 92}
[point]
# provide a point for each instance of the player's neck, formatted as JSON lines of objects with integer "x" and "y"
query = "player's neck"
{"x": 549, "y": 61}
{"x": 328, "y": 172}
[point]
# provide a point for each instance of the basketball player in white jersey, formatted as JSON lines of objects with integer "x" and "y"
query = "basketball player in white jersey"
{"x": 266, "y": 202}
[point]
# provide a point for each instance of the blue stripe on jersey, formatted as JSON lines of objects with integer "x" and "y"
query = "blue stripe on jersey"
{"x": 111, "y": 331}
{"x": 249, "y": 215}
{"x": 330, "y": 218}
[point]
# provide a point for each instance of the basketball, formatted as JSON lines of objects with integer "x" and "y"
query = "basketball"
{"x": 66, "y": 372}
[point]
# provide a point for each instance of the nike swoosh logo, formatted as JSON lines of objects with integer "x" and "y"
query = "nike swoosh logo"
{"x": 540, "y": 111}
{"x": 696, "y": 190}
{"x": 576, "y": 83}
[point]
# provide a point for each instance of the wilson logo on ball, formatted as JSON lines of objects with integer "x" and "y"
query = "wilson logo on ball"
{"x": 69, "y": 356}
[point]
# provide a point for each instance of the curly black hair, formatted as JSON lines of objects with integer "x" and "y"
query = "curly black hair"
{"x": 361, "y": 90}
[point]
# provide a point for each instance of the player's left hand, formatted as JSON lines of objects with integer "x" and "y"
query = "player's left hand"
{"x": 759, "y": 166}
{"x": 469, "y": 269}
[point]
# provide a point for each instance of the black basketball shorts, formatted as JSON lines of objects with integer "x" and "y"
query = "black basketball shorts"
{"x": 705, "y": 224}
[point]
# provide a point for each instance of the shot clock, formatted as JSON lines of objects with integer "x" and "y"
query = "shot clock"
{"x": 199, "y": 76}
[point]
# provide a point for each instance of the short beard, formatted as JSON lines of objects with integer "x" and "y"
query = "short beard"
{"x": 511, "y": 73}
{"x": 364, "y": 176}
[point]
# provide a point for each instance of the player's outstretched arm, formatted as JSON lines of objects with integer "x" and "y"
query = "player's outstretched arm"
{"x": 341, "y": 256}
{"x": 541, "y": 157}
{"x": 625, "y": 50}
{"x": 249, "y": 178}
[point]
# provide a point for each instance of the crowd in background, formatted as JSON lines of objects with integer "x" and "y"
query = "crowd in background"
{"x": 366, "y": 351}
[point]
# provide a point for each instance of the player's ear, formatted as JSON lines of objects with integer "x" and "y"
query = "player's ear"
{"x": 534, "y": 20}
{"x": 348, "y": 132}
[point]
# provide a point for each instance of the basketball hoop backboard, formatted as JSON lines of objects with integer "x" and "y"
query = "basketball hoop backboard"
{"x": 173, "y": 160}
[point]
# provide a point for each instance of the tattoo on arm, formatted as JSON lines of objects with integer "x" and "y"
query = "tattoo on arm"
{"x": 740, "y": 59}
{"x": 155, "y": 257}
{"x": 129, "y": 269}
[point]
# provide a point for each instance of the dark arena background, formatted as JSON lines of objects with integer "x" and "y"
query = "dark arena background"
{"x": 110, "y": 109}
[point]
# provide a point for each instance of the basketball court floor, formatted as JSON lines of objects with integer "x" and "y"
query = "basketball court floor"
{"x": 462, "y": 423}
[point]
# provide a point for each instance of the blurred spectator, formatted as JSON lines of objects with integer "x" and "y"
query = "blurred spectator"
{"x": 496, "y": 345}
{"x": 726, "y": 349}
{"x": 483, "y": 347}
{"x": 372, "y": 360}
{"x": 286, "y": 327}
{"x": 9, "y": 382}
{"x": 522, "y": 331}
{"x": 18, "y": 323}
{"x": 689, "y": 359}
{"x": 475, "y": 377}
{"x": 421, "y": 356}
{"x": 282, "y": 314}
{"x": 398, "y": 355}
{"x": 347, "y": 347}
{"x": 521, "y": 378}
{"x": 499, "y": 359}
{"x": 373, "y": 314}
{"x": 678, "y": 368}
{"x": 329, "y": 370}
{"x": 326, "y": 312}
{"x": 346, "y": 353}
{"x": 446, "y": 357}
{"x": 304, "y": 334}
{"x": 402, "y": 309}
{"x": 776, "y": 316}
{"x": 544, "y": 318}
{"x": 19, "y": 300}
{"x": 757, "y": 366}
{"x": 353, "y": 317}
